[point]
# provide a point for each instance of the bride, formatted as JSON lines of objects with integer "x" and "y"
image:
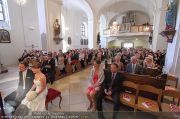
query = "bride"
{"x": 35, "y": 98}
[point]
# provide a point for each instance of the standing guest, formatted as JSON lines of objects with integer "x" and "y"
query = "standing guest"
{"x": 55, "y": 56}
{"x": 81, "y": 59}
{"x": 99, "y": 55}
{"x": 112, "y": 87}
{"x": 61, "y": 64}
{"x": 96, "y": 79}
{"x": 50, "y": 68}
{"x": 134, "y": 67}
{"x": 26, "y": 78}
{"x": 89, "y": 55}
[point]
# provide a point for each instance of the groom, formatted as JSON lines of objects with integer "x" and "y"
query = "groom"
{"x": 26, "y": 78}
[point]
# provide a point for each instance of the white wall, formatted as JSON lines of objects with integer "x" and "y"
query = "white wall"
{"x": 10, "y": 52}
{"x": 159, "y": 42}
{"x": 42, "y": 23}
{"x": 141, "y": 18}
{"x": 173, "y": 48}
{"x": 103, "y": 42}
{"x": 53, "y": 12}
{"x": 73, "y": 18}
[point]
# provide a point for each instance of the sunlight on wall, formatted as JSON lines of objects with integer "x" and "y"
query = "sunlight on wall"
{"x": 63, "y": 32}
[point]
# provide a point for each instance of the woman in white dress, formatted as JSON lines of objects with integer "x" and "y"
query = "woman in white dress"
{"x": 35, "y": 98}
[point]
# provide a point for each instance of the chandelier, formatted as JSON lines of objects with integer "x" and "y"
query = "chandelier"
{"x": 21, "y": 2}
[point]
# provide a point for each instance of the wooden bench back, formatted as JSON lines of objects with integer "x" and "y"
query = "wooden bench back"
{"x": 151, "y": 72}
{"x": 68, "y": 69}
{"x": 78, "y": 65}
{"x": 144, "y": 80}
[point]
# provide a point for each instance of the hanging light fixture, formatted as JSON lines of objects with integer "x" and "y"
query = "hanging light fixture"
{"x": 21, "y": 2}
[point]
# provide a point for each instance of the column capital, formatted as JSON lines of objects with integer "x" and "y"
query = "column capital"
{"x": 58, "y": 1}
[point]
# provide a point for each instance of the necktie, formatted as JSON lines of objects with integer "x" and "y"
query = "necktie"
{"x": 113, "y": 76}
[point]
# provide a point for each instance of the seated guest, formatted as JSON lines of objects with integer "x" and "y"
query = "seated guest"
{"x": 119, "y": 63}
{"x": 96, "y": 78}
{"x": 112, "y": 86}
{"x": 26, "y": 78}
{"x": 148, "y": 62}
{"x": 134, "y": 67}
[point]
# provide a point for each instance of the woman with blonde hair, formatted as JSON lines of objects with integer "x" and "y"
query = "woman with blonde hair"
{"x": 148, "y": 62}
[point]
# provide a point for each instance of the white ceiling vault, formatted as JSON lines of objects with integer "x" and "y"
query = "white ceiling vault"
{"x": 103, "y": 7}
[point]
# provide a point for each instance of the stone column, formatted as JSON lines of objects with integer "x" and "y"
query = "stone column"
{"x": 173, "y": 50}
{"x": 159, "y": 43}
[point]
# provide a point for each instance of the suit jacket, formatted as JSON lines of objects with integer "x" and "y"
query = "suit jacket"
{"x": 52, "y": 64}
{"x": 115, "y": 85}
{"x": 100, "y": 76}
{"x": 138, "y": 68}
{"x": 28, "y": 81}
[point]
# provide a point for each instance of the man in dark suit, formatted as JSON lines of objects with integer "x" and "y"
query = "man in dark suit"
{"x": 134, "y": 67}
{"x": 49, "y": 67}
{"x": 26, "y": 77}
{"x": 112, "y": 86}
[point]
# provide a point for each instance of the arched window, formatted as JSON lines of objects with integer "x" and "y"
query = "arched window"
{"x": 4, "y": 15}
{"x": 84, "y": 29}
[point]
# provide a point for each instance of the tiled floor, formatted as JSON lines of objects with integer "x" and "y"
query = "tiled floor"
{"x": 73, "y": 89}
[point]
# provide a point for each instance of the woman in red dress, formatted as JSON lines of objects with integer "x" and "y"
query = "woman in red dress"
{"x": 96, "y": 78}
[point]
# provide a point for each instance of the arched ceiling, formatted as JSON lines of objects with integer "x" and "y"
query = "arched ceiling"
{"x": 100, "y": 7}
{"x": 79, "y": 5}
{"x": 95, "y": 8}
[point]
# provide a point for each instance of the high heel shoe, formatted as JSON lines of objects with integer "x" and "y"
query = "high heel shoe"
{"x": 90, "y": 106}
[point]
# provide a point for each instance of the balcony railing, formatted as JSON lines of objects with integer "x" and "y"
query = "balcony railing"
{"x": 127, "y": 28}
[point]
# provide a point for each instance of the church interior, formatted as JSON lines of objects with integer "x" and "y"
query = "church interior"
{"x": 86, "y": 57}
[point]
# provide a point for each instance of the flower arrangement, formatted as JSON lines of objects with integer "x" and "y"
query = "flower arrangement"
{"x": 31, "y": 95}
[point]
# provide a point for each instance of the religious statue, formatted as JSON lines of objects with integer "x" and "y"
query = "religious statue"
{"x": 69, "y": 40}
{"x": 171, "y": 15}
{"x": 98, "y": 38}
{"x": 57, "y": 31}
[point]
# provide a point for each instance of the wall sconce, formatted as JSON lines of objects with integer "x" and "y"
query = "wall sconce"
{"x": 150, "y": 38}
{"x": 146, "y": 28}
{"x": 169, "y": 34}
{"x": 21, "y": 2}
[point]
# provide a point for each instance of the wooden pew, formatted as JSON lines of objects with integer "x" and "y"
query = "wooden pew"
{"x": 58, "y": 74}
{"x": 151, "y": 72}
{"x": 78, "y": 65}
{"x": 68, "y": 69}
{"x": 143, "y": 80}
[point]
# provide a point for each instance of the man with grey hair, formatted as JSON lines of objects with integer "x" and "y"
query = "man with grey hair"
{"x": 133, "y": 67}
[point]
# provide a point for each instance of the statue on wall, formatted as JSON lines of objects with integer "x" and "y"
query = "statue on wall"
{"x": 69, "y": 40}
{"x": 171, "y": 15}
{"x": 57, "y": 31}
{"x": 98, "y": 38}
